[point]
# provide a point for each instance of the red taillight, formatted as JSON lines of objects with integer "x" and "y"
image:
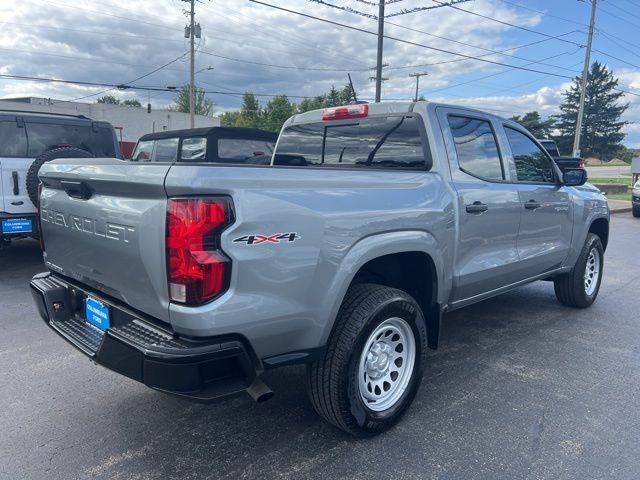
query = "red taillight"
{"x": 350, "y": 111}
{"x": 197, "y": 269}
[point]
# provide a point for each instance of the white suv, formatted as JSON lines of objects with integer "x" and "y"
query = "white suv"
{"x": 27, "y": 140}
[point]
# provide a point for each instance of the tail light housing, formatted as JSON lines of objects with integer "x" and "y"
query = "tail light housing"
{"x": 197, "y": 268}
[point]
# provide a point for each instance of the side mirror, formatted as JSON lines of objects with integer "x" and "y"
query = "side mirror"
{"x": 574, "y": 177}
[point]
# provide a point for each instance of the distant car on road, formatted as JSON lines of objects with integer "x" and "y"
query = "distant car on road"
{"x": 231, "y": 145}
{"x": 27, "y": 141}
{"x": 635, "y": 199}
{"x": 563, "y": 162}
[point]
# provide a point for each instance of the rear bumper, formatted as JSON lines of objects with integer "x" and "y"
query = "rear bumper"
{"x": 203, "y": 370}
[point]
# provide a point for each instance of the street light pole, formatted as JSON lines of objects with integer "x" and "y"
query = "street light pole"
{"x": 418, "y": 75}
{"x": 585, "y": 74}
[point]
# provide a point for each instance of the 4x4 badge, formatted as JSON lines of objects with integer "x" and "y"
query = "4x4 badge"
{"x": 275, "y": 238}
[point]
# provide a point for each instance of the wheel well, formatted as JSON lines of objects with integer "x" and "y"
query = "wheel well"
{"x": 600, "y": 227}
{"x": 414, "y": 273}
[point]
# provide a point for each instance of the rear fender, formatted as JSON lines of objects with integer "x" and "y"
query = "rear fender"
{"x": 373, "y": 247}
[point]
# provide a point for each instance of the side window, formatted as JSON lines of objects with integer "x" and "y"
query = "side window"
{"x": 532, "y": 163}
{"x": 13, "y": 140}
{"x": 194, "y": 149}
{"x": 166, "y": 150}
{"x": 476, "y": 147}
{"x": 143, "y": 151}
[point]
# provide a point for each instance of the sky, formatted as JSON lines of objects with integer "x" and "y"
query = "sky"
{"x": 247, "y": 46}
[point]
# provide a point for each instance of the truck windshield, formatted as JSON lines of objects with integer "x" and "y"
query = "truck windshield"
{"x": 378, "y": 142}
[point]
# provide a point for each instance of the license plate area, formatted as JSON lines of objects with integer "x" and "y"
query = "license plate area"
{"x": 97, "y": 313}
{"x": 17, "y": 225}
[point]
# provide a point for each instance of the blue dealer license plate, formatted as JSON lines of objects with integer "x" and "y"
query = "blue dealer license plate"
{"x": 17, "y": 225}
{"x": 97, "y": 313}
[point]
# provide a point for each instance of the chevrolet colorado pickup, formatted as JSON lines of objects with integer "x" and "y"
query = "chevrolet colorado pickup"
{"x": 343, "y": 254}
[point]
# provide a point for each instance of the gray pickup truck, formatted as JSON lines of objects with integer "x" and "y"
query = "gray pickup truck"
{"x": 343, "y": 254}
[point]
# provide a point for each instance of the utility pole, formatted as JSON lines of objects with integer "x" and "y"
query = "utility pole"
{"x": 418, "y": 75}
{"x": 585, "y": 74}
{"x": 190, "y": 31}
{"x": 380, "y": 45}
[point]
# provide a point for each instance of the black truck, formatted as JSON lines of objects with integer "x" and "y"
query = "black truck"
{"x": 562, "y": 162}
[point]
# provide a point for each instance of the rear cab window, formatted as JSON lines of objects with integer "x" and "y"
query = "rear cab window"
{"x": 242, "y": 149}
{"x": 393, "y": 141}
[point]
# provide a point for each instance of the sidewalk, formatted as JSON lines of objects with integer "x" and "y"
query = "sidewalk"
{"x": 619, "y": 206}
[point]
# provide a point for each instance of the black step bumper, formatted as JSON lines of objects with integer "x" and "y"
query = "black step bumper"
{"x": 144, "y": 350}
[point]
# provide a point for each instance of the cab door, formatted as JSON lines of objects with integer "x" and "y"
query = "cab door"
{"x": 489, "y": 206}
{"x": 14, "y": 167}
{"x": 546, "y": 225}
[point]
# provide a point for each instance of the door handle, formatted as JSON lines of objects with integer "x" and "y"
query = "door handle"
{"x": 476, "y": 207}
{"x": 531, "y": 205}
{"x": 79, "y": 190}
{"x": 16, "y": 185}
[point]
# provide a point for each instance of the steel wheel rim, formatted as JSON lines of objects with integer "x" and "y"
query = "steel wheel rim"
{"x": 592, "y": 271}
{"x": 386, "y": 364}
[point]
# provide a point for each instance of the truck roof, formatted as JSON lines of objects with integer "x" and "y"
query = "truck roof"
{"x": 392, "y": 107}
{"x": 220, "y": 131}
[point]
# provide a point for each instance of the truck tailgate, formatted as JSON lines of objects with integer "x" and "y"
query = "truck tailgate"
{"x": 104, "y": 226}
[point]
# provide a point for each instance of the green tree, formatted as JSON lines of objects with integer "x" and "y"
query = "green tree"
{"x": 533, "y": 122}
{"x": 251, "y": 113}
{"x": 132, "y": 103}
{"x": 601, "y": 134}
{"x": 108, "y": 99}
{"x": 203, "y": 105}
{"x": 277, "y": 111}
{"x": 229, "y": 119}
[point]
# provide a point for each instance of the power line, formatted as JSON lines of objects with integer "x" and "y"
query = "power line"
{"x": 546, "y": 14}
{"x": 288, "y": 67}
{"x": 470, "y": 57}
{"x": 520, "y": 27}
{"x": 492, "y": 52}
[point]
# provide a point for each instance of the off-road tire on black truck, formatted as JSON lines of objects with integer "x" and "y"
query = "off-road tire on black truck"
{"x": 333, "y": 381}
{"x": 571, "y": 288}
{"x": 32, "y": 173}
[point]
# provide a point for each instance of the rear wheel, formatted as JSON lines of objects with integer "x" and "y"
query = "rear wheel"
{"x": 580, "y": 287}
{"x": 636, "y": 211}
{"x": 374, "y": 361}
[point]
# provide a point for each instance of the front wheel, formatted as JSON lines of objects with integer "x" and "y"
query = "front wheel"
{"x": 374, "y": 361}
{"x": 636, "y": 211}
{"x": 580, "y": 287}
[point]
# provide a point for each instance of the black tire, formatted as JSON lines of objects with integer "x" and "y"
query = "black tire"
{"x": 32, "y": 173}
{"x": 332, "y": 382}
{"x": 570, "y": 288}
{"x": 636, "y": 211}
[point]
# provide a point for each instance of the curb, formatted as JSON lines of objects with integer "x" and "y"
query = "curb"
{"x": 620, "y": 210}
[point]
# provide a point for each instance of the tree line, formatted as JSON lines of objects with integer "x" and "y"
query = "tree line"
{"x": 602, "y": 126}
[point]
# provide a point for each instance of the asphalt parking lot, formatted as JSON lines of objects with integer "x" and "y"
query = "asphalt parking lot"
{"x": 521, "y": 388}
